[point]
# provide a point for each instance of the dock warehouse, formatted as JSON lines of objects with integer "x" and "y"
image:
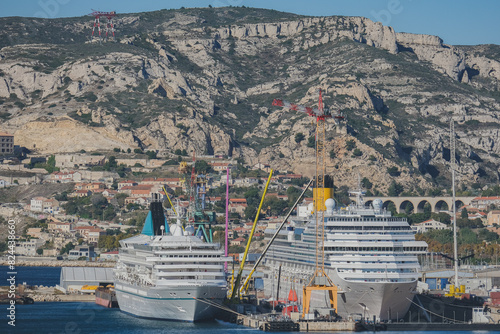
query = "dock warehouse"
{"x": 74, "y": 278}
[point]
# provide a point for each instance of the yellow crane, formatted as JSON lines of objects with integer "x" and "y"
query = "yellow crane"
{"x": 236, "y": 282}
{"x": 319, "y": 280}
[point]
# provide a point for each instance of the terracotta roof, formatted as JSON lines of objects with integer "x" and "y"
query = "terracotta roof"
{"x": 5, "y": 134}
{"x": 237, "y": 200}
{"x": 486, "y": 198}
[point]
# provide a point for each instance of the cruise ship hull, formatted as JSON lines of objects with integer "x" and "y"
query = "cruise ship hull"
{"x": 384, "y": 300}
{"x": 190, "y": 303}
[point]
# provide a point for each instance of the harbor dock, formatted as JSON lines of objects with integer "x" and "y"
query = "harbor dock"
{"x": 273, "y": 323}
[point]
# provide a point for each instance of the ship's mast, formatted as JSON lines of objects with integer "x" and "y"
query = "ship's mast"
{"x": 454, "y": 209}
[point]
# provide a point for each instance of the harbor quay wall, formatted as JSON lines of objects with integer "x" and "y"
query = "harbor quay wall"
{"x": 303, "y": 326}
{"x": 57, "y": 263}
{"x": 325, "y": 326}
{"x": 49, "y": 294}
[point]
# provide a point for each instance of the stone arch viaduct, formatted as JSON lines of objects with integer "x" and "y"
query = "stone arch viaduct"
{"x": 437, "y": 203}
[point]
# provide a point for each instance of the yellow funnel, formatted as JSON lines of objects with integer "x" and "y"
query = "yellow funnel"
{"x": 327, "y": 193}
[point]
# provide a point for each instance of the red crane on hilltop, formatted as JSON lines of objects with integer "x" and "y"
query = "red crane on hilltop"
{"x": 110, "y": 28}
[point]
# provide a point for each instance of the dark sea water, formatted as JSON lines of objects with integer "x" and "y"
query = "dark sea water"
{"x": 82, "y": 318}
{"x": 91, "y": 318}
{"x": 46, "y": 276}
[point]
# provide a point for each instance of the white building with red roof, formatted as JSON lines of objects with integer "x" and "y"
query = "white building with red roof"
{"x": 483, "y": 203}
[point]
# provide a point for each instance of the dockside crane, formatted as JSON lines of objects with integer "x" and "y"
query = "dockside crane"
{"x": 319, "y": 280}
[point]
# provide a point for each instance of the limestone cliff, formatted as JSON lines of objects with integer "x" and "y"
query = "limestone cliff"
{"x": 204, "y": 79}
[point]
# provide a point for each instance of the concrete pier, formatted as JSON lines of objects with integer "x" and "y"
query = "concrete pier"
{"x": 268, "y": 323}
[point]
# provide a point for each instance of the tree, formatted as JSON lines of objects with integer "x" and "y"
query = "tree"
{"x": 111, "y": 163}
{"x": 151, "y": 154}
{"x": 299, "y": 136}
{"x": 292, "y": 193}
{"x": 357, "y": 152}
{"x": 464, "y": 214}
{"x": 311, "y": 141}
{"x": 250, "y": 212}
{"x": 116, "y": 149}
{"x": 393, "y": 171}
{"x": 274, "y": 205}
{"x": 441, "y": 217}
{"x": 39, "y": 251}
{"x": 392, "y": 208}
{"x": 69, "y": 246}
{"x": 202, "y": 167}
{"x": 488, "y": 236}
{"x": 365, "y": 183}
{"x": 252, "y": 196}
{"x": 434, "y": 192}
{"x": 467, "y": 236}
{"x": 120, "y": 198}
{"x": 350, "y": 144}
{"x": 395, "y": 189}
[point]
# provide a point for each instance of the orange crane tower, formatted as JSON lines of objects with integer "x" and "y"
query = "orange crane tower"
{"x": 320, "y": 280}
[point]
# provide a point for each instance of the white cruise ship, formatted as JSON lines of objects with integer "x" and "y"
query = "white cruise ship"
{"x": 370, "y": 256}
{"x": 169, "y": 273}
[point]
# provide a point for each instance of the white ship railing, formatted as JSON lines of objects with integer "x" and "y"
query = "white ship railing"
{"x": 181, "y": 274}
{"x": 188, "y": 259}
{"x": 188, "y": 266}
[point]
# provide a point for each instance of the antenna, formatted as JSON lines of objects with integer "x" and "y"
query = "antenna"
{"x": 454, "y": 209}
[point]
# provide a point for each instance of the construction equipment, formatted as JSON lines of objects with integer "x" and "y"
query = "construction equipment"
{"x": 197, "y": 216}
{"x": 236, "y": 286}
{"x": 244, "y": 286}
{"x": 319, "y": 280}
{"x": 109, "y": 27}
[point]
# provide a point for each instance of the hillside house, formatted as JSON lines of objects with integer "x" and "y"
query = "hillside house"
{"x": 429, "y": 225}
{"x": 37, "y": 204}
{"x": 6, "y": 143}
{"x": 29, "y": 247}
{"x": 109, "y": 193}
{"x": 493, "y": 217}
{"x": 80, "y": 193}
{"x": 79, "y": 160}
{"x": 63, "y": 177}
{"x": 60, "y": 226}
{"x": 265, "y": 167}
{"x": 127, "y": 183}
{"x": 237, "y": 242}
{"x": 144, "y": 201}
{"x": 82, "y": 251}
{"x": 237, "y": 205}
{"x": 484, "y": 203}
{"x": 220, "y": 166}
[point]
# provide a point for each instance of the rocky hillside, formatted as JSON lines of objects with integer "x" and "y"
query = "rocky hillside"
{"x": 204, "y": 79}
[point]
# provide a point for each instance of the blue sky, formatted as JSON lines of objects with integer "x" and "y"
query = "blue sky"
{"x": 456, "y": 21}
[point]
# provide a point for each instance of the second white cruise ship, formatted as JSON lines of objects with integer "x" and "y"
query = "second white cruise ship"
{"x": 370, "y": 256}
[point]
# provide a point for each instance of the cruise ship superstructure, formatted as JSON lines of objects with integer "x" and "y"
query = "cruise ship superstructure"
{"x": 370, "y": 256}
{"x": 168, "y": 273}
